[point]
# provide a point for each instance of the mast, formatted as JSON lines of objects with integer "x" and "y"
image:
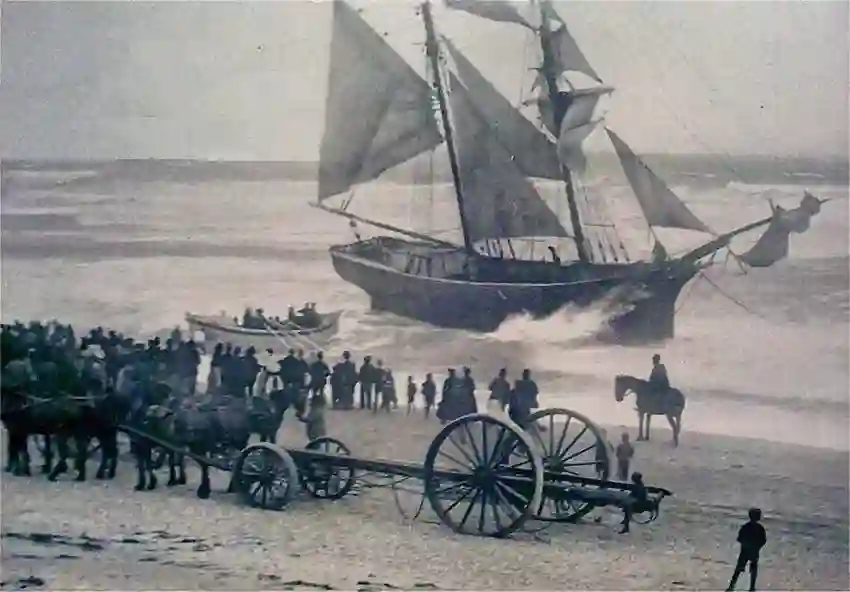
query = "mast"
{"x": 432, "y": 49}
{"x": 559, "y": 109}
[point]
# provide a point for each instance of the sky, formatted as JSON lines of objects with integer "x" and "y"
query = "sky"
{"x": 247, "y": 80}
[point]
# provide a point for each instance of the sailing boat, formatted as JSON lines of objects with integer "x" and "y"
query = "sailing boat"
{"x": 381, "y": 113}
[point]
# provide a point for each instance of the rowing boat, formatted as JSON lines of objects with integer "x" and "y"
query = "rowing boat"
{"x": 277, "y": 336}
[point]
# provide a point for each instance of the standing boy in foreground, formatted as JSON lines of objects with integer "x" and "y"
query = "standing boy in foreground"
{"x": 752, "y": 537}
{"x": 624, "y": 454}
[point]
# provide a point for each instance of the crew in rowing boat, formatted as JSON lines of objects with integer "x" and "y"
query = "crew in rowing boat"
{"x": 307, "y": 317}
{"x": 252, "y": 320}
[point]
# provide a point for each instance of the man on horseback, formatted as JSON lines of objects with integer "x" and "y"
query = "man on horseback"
{"x": 658, "y": 378}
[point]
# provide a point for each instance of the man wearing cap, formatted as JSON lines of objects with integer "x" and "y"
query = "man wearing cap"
{"x": 343, "y": 380}
{"x": 367, "y": 378}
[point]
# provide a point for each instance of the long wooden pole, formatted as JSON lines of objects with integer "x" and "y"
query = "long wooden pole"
{"x": 559, "y": 109}
{"x": 432, "y": 49}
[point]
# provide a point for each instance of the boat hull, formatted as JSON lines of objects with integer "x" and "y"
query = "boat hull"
{"x": 640, "y": 298}
{"x": 223, "y": 329}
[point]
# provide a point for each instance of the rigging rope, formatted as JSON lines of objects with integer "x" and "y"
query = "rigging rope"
{"x": 732, "y": 299}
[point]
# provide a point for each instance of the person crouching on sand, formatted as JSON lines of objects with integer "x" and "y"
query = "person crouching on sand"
{"x": 314, "y": 420}
{"x": 636, "y": 502}
{"x": 752, "y": 536}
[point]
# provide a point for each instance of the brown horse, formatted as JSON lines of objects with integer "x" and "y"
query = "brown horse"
{"x": 650, "y": 402}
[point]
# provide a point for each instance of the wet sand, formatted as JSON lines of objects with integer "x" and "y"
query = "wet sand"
{"x": 103, "y": 535}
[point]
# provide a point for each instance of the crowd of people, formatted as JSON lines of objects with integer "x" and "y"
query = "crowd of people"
{"x": 176, "y": 360}
{"x": 373, "y": 386}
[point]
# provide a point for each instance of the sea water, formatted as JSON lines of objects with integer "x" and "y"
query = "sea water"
{"x": 761, "y": 354}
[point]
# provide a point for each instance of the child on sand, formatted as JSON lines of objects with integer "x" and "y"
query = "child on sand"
{"x": 411, "y": 394}
{"x": 624, "y": 453}
{"x": 752, "y": 537}
{"x": 314, "y": 420}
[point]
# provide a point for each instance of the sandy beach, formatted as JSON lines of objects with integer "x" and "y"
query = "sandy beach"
{"x": 103, "y": 535}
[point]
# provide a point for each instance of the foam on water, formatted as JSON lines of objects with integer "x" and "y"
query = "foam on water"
{"x": 778, "y": 371}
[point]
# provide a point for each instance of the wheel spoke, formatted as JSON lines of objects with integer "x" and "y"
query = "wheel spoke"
{"x": 454, "y": 460}
{"x": 485, "y": 451}
{"x": 459, "y": 500}
{"x": 483, "y": 509}
{"x": 535, "y": 433}
{"x": 498, "y": 453}
{"x": 469, "y": 508}
{"x": 581, "y": 464}
{"x": 472, "y": 463}
{"x": 580, "y": 452}
{"x": 513, "y": 492}
{"x": 479, "y": 460}
{"x": 563, "y": 451}
{"x": 451, "y": 486}
{"x": 551, "y": 436}
{"x": 503, "y": 500}
{"x": 563, "y": 436}
{"x": 495, "y": 507}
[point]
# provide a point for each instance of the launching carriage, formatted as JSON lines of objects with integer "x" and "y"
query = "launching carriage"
{"x": 482, "y": 474}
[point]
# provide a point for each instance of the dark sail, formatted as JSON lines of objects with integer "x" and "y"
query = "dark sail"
{"x": 774, "y": 244}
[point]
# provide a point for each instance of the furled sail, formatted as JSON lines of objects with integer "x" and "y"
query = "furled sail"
{"x": 534, "y": 154}
{"x": 378, "y": 111}
{"x": 498, "y": 200}
{"x": 578, "y": 106}
{"x": 494, "y": 10}
{"x": 567, "y": 55}
{"x": 774, "y": 244}
{"x": 661, "y": 207}
{"x": 569, "y": 146}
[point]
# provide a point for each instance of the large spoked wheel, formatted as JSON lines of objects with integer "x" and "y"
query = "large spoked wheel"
{"x": 266, "y": 476}
{"x": 482, "y": 476}
{"x": 322, "y": 478}
{"x": 571, "y": 445}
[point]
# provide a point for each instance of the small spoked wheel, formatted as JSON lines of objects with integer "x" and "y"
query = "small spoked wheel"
{"x": 322, "y": 478}
{"x": 482, "y": 476}
{"x": 647, "y": 515}
{"x": 571, "y": 445}
{"x": 266, "y": 476}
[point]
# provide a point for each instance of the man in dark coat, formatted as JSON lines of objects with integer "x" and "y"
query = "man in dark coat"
{"x": 367, "y": 378}
{"x": 658, "y": 379}
{"x": 523, "y": 398}
{"x": 449, "y": 405}
{"x": 288, "y": 369}
{"x": 303, "y": 367}
{"x": 500, "y": 389}
{"x": 468, "y": 404}
{"x": 343, "y": 381}
{"x": 319, "y": 373}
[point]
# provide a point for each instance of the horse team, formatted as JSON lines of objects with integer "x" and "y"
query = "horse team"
{"x": 70, "y": 392}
